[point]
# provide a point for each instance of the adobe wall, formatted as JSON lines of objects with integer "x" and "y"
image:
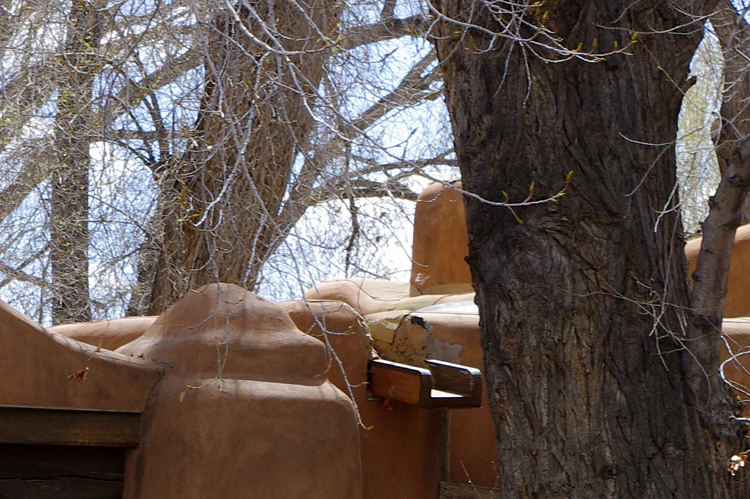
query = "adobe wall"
{"x": 398, "y": 442}
{"x": 234, "y": 401}
{"x": 245, "y": 408}
{"x": 46, "y": 369}
{"x": 109, "y": 335}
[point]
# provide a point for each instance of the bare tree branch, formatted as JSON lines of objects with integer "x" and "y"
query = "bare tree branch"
{"x": 34, "y": 169}
{"x": 21, "y": 97}
{"x": 215, "y": 128}
{"x": 387, "y": 28}
{"x": 409, "y": 91}
{"x": 16, "y": 272}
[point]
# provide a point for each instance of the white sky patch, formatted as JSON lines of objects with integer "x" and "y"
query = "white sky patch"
{"x": 316, "y": 249}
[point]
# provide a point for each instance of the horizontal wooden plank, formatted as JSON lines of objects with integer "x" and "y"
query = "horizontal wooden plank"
{"x": 60, "y": 472}
{"x": 55, "y": 426}
{"x": 463, "y": 491}
{"x": 459, "y": 379}
{"x": 401, "y": 382}
{"x": 444, "y": 385}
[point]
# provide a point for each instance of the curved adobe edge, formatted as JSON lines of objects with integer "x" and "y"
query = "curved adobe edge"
{"x": 44, "y": 369}
{"x": 246, "y": 409}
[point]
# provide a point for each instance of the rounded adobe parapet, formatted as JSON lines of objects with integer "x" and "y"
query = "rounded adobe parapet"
{"x": 225, "y": 330}
{"x": 41, "y": 368}
{"x": 110, "y": 335}
{"x": 441, "y": 243}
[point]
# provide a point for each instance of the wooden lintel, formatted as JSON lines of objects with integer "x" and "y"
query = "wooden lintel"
{"x": 59, "y": 426}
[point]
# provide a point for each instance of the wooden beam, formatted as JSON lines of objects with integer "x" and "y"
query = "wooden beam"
{"x": 391, "y": 380}
{"x": 444, "y": 385}
{"x": 463, "y": 491}
{"x": 449, "y": 380}
{"x": 55, "y": 472}
{"x": 56, "y": 426}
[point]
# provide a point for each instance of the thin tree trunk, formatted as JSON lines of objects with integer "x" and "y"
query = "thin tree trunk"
{"x": 734, "y": 36}
{"x": 69, "y": 232}
{"x": 583, "y": 301}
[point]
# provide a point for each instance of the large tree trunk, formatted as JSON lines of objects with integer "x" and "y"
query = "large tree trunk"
{"x": 69, "y": 232}
{"x": 219, "y": 204}
{"x": 583, "y": 301}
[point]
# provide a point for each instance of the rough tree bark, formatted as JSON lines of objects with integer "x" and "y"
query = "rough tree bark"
{"x": 734, "y": 35}
{"x": 69, "y": 233}
{"x": 584, "y": 302}
{"x": 218, "y": 205}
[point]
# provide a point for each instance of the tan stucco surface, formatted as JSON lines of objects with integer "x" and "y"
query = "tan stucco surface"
{"x": 735, "y": 357}
{"x": 407, "y": 435}
{"x": 398, "y": 442}
{"x": 245, "y": 409}
{"x": 110, "y": 334}
{"x": 440, "y": 240}
{"x": 367, "y": 296}
{"x": 45, "y": 369}
{"x": 245, "y": 439}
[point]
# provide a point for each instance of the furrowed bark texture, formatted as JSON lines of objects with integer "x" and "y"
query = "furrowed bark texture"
{"x": 583, "y": 301}
{"x": 734, "y": 35}
{"x": 710, "y": 280}
{"x": 221, "y": 202}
